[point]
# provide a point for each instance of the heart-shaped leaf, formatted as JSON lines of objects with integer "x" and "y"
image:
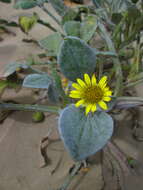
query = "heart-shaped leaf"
{"x": 51, "y": 43}
{"x": 27, "y": 22}
{"x": 76, "y": 58}
{"x": 83, "y": 136}
{"x": 84, "y": 30}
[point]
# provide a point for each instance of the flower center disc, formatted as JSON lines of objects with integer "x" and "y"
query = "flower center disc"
{"x": 93, "y": 94}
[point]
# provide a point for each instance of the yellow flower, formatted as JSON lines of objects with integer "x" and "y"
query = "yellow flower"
{"x": 91, "y": 93}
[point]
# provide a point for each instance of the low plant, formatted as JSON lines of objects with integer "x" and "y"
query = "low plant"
{"x": 94, "y": 57}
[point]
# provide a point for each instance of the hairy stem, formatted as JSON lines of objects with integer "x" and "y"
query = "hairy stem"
{"x": 50, "y": 27}
{"x": 71, "y": 176}
{"x": 131, "y": 84}
{"x": 47, "y": 25}
{"x": 131, "y": 98}
{"x": 117, "y": 65}
{"x": 96, "y": 4}
{"x": 58, "y": 84}
{"x": 28, "y": 107}
{"x": 50, "y": 14}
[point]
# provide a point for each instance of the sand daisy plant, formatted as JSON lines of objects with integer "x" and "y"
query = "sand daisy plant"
{"x": 91, "y": 93}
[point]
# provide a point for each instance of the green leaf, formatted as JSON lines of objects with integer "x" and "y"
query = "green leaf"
{"x": 84, "y": 136}
{"x": 26, "y": 23}
{"x": 135, "y": 1}
{"x": 113, "y": 6}
{"x": 53, "y": 94}
{"x": 116, "y": 18}
{"x": 52, "y": 43}
{"x": 12, "y": 67}
{"x": 98, "y": 3}
{"x": 59, "y": 6}
{"x": 72, "y": 28}
{"x": 41, "y": 81}
{"x": 25, "y": 4}
{"x": 84, "y": 30}
{"x": 41, "y": 2}
{"x": 76, "y": 58}
{"x": 8, "y": 83}
{"x": 5, "y": 1}
{"x": 88, "y": 27}
{"x": 3, "y": 21}
{"x": 12, "y": 24}
{"x": 70, "y": 15}
{"x": 3, "y": 85}
{"x": 118, "y": 6}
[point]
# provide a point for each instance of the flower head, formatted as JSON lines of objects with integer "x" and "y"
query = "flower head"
{"x": 91, "y": 93}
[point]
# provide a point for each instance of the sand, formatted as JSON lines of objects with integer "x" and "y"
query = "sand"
{"x": 20, "y": 156}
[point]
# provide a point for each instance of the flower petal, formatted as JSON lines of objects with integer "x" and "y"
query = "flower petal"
{"x": 81, "y": 83}
{"x": 79, "y": 103}
{"x": 106, "y": 99}
{"x": 93, "y": 80}
{"x": 88, "y": 108}
{"x": 87, "y": 79}
{"x": 108, "y": 93}
{"x": 103, "y": 86}
{"x": 74, "y": 94}
{"x": 77, "y": 86}
{"x": 103, "y": 105}
{"x": 106, "y": 89}
{"x": 102, "y": 81}
{"x": 93, "y": 109}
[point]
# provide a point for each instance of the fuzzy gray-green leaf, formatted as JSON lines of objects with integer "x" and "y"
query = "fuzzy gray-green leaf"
{"x": 76, "y": 58}
{"x": 25, "y": 4}
{"x": 84, "y": 30}
{"x": 37, "y": 81}
{"x": 51, "y": 43}
{"x": 83, "y": 136}
{"x": 12, "y": 67}
{"x": 72, "y": 28}
{"x": 59, "y": 6}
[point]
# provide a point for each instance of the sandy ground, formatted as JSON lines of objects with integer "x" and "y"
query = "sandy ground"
{"x": 12, "y": 48}
{"x": 20, "y": 157}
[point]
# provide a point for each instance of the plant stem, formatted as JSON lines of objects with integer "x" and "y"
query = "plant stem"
{"x": 50, "y": 27}
{"x": 28, "y": 107}
{"x": 47, "y": 25}
{"x": 71, "y": 176}
{"x": 58, "y": 83}
{"x": 118, "y": 28}
{"x": 117, "y": 64}
{"x": 126, "y": 102}
{"x": 119, "y": 156}
{"x": 131, "y": 98}
{"x": 50, "y": 14}
{"x": 100, "y": 69}
{"x": 96, "y": 4}
{"x": 131, "y": 84}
